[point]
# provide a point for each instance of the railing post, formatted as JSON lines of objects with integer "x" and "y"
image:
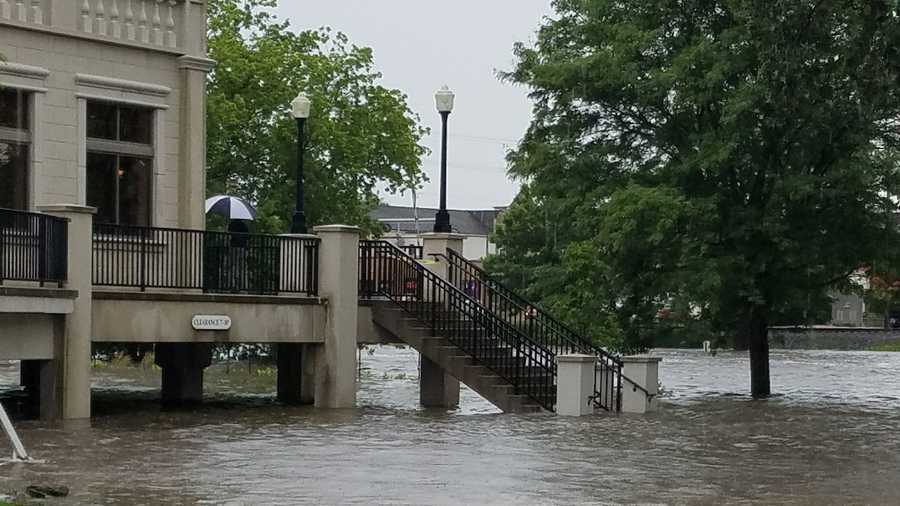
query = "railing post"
{"x": 43, "y": 255}
{"x": 4, "y": 254}
{"x": 143, "y": 259}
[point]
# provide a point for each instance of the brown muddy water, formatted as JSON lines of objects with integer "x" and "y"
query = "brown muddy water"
{"x": 832, "y": 436}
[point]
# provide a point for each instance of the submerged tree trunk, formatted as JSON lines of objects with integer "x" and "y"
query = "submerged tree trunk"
{"x": 758, "y": 334}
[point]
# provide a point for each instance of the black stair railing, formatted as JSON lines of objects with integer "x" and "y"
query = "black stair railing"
{"x": 538, "y": 325}
{"x": 387, "y": 271}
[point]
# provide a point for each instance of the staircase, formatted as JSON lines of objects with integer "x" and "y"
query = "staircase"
{"x": 502, "y": 349}
{"x": 540, "y": 326}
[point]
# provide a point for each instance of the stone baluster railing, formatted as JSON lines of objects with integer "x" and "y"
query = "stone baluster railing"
{"x": 157, "y": 23}
{"x": 153, "y": 22}
{"x": 23, "y": 11}
{"x": 100, "y": 15}
{"x": 144, "y": 30}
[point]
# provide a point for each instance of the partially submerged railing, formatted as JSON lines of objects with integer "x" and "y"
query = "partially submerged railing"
{"x": 33, "y": 247}
{"x": 538, "y": 325}
{"x": 215, "y": 262}
{"x": 385, "y": 270}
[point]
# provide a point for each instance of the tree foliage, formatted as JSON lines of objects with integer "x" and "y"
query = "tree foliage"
{"x": 362, "y": 137}
{"x": 736, "y": 158}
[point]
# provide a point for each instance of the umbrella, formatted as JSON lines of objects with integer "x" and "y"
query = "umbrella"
{"x": 233, "y": 208}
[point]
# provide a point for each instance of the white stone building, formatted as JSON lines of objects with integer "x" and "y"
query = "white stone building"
{"x": 102, "y": 104}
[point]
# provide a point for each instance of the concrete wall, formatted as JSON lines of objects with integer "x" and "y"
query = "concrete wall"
{"x": 62, "y": 67}
{"x": 157, "y": 318}
{"x": 29, "y": 336}
{"x": 830, "y": 338}
{"x": 370, "y": 333}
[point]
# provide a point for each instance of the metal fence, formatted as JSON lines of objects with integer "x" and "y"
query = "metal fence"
{"x": 387, "y": 271}
{"x": 215, "y": 262}
{"x": 33, "y": 247}
{"x": 538, "y": 325}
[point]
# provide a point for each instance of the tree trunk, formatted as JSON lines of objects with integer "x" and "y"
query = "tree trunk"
{"x": 758, "y": 333}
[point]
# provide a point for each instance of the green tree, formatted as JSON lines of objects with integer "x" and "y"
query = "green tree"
{"x": 363, "y": 137}
{"x": 732, "y": 157}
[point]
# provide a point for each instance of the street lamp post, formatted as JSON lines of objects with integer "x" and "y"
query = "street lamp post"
{"x": 300, "y": 107}
{"x": 444, "y": 101}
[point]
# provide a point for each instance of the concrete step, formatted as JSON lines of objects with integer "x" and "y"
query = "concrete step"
{"x": 485, "y": 377}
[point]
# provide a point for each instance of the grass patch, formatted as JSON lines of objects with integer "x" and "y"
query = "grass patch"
{"x": 886, "y": 346}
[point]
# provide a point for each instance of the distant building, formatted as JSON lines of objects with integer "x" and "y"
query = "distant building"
{"x": 404, "y": 225}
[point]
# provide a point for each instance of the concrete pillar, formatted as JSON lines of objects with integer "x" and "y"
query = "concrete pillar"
{"x": 308, "y": 374}
{"x": 74, "y": 345}
{"x": 438, "y": 244}
{"x": 640, "y": 384}
{"x": 192, "y": 158}
{"x": 437, "y": 389}
{"x": 289, "y": 358}
{"x": 575, "y": 384}
{"x": 182, "y": 371}
{"x": 339, "y": 284}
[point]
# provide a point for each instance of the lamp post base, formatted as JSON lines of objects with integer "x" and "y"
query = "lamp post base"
{"x": 442, "y": 222}
{"x": 298, "y": 223}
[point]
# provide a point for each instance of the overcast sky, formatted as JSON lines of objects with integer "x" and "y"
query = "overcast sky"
{"x": 420, "y": 45}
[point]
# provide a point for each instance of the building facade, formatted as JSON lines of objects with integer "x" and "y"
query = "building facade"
{"x": 404, "y": 226}
{"x": 102, "y": 104}
{"x": 102, "y": 222}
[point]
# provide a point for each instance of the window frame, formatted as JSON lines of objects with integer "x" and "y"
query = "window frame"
{"x": 128, "y": 149}
{"x": 24, "y": 137}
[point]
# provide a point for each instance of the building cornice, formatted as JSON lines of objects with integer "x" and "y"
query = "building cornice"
{"x": 21, "y": 70}
{"x": 196, "y": 63}
{"x": 111, "y": 83}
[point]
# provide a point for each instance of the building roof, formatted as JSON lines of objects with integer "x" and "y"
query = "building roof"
{"x": 468, "y": 222}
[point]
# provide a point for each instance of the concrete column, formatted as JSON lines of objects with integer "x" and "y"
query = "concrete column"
{"x": 289, "y": 357}
{"x": 640, "y": 384}
{"x": 74, "y": 348}
{"x": 437, "y": 389}
{"x": 339, "y": 284}
{"x": 308, "y": 374}
{"x": 182, "y": 371}
{"x": 192, "y": 159}
{"x": 575, "y": 384}
{"x": 438, "y": 244}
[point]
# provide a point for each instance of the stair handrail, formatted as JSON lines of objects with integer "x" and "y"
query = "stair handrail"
{"x": 539, "y": 355}
{"x": 524, "y": 304}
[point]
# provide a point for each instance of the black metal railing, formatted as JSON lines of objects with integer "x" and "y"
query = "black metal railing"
{"x": 414, "y": 250}
{"x": 33, "y": 247}
{"x": 387, "y": 271}
{"x": 215, "y": 262}
{"x": 538, "y": 325}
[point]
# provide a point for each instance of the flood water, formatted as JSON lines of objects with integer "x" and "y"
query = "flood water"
{"x": 832, "y": 436}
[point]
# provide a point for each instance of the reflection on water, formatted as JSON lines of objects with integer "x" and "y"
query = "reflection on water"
{"x": 832, "y": 437}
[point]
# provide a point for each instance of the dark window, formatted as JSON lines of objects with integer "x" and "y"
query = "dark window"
{"x": 119, "y": 188}
{"x": 119, "y": 163}
{"x": 15, "y": 144}
{"x": 13, "y": 109}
